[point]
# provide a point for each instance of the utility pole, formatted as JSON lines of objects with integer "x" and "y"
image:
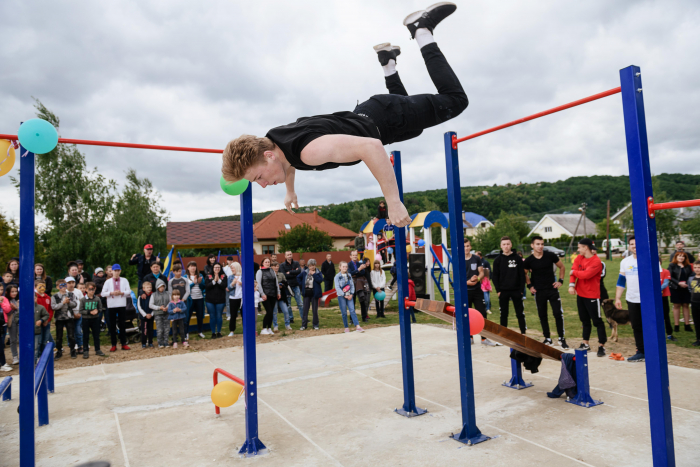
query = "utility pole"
{"x": 583, "y": 214}
{"x": 607, "y": 234}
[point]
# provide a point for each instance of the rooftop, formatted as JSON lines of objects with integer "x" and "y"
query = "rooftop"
{"x": 282, "y": 220}
{"x": 204, "y": 234}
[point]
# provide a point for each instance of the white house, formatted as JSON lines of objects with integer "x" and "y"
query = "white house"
{"x": 553, "y": 226}
{"x": 473, "y": 221}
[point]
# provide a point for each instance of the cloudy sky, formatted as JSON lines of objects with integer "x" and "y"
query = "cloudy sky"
{"x": 201, "y": 73}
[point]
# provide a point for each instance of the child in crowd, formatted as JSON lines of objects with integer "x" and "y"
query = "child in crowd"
{"x": 159, "y": 304}
{"x": 11, "y": 312}
{"x": 282, "y": 302}
{"x": 8, "y": 279}
{"x": 378, "y": 279}
{"x": 146, "y": 315}
{"x": 694, "y": 288}
{"x": 91, "y": 310}
{"x": 345, "y": 288}
{"x": 77, "y": 295}
{"x": 44, "y": 299}
{"x": 41, "y": 319}
{"x": 3, "y": 304}
{"x": 178, "y": 312}
{"x": 183, "y": 285}
{"x": 63, "y": 306}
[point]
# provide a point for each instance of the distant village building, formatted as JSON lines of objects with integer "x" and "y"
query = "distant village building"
{"x": 473, "y": 222}
{"x": 267, "y": 231}
{"x": 553, "y": 226}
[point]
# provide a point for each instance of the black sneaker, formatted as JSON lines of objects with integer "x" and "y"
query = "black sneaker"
{"x": 428, "y": 18}
{"x": 73, "y": 354}
{"x": 86, "y": 355}
{"x": 563, "y": 344}
{"x": 675, "y": 329}
{"x": 671, "y": 338}
{"x": 80, "y": 351}
{"x": 143, "y": 346}
{"x": 58, "y": 355}
{"x": 601, "y": 351}
{"x": 386, "y": 51}
{"x": 688, "y": 328}
{"x": 150, "y": 346}
{"x": 100, "y": 353}
{"x": 547, "y": 341}
{"x": 218, "y": 335}
{"x": 584, "y": 346}
{"x": 696, "y": 344}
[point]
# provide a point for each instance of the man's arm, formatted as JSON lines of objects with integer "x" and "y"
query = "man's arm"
{"x": 134, "y": 259}
{"x": 346, "y": 148}
{"x": 290, "y": 200}
{"x": 621, "y": 283}
{"x": 562, "y": 274}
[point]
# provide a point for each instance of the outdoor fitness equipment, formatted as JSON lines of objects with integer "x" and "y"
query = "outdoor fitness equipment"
{"x": 437, "y": 259}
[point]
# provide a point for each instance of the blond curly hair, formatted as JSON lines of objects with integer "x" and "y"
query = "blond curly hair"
{"x": 243, "y": 153}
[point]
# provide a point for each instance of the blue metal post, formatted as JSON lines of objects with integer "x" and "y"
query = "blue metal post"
{"x": 583, "y": 390}
{"x": 516, "y": 380}
{"x": 648, "y": 265}
{"x": 409, "y": 408}
{"x": 27, "y": 454}
{"x": 252, "y": 446}
{"x": 470, "y": 434}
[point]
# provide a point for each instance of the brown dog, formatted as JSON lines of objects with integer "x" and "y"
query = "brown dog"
{"x": 615, "y": 317}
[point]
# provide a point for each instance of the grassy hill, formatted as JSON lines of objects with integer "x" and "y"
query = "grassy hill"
{"x": 531, "y": 200}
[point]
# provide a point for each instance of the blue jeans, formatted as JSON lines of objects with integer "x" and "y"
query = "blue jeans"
{"x": 79, "y": 332}
{"x": 283, "y": 305}
{"x": 346, "y": 305}
{"x": 487, "y": 300}
{"x": 216, "y": 315}
{"x": 297, "y": 297}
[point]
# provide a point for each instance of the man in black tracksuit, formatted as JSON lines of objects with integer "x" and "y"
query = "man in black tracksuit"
{"x": 508, "y": 277}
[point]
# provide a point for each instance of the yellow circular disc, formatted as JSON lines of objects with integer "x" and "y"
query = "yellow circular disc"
{"x": 7, "y": 156}
{"x": 226, "y": 393}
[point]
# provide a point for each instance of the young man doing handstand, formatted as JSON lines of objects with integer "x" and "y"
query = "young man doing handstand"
{"x": 326, "y": 142}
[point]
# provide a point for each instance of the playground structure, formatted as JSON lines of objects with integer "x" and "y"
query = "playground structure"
{"x": 438, "y": 260}
{"x": 647, "y": 253}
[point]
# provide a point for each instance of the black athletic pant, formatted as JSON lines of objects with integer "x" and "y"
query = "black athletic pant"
{"x": 328, "y": 284}
{"x": 69, "y": 325}
{"x": 146, "y": 327}
{"x": 667, "y": 317}
{"x": 117, "y": 316}
{"x": 379, "y": 305}
{"x": 589, "y": 310}
{"x": 235, "y": 306}
{"x": 91, "y": 325}
{"x": 400, "y": 117}
{"x": 551, "y": 296}
{"x": 269, "y": 305}
{"x": 695, "y": 309}
{"x": 517, "y": 297}
{"x": 476, "y": 300}
{"x": 635, "y": 310}
{"x": 309, "y": 301}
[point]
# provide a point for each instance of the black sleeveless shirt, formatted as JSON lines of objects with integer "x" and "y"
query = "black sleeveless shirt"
{"x": 293, "y": 138}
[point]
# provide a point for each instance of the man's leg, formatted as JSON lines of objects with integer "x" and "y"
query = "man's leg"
{"x": 298, "y": 299}
{"x": 517, "y": 297}
{"x": 635, "y": 310}
{"x": 121, "y": 322}
{"x": 503, "y": 301}
{"x": 557, "y": 311}
{"x": 541, "y": 302}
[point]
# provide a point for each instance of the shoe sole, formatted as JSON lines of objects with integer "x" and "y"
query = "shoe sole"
{"x": 383, "y": 46}
{"x": 413, "y": 17}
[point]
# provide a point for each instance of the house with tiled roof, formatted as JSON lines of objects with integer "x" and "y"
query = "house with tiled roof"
{"x": 209, "y": 234}
{"x": 268, "y": 230}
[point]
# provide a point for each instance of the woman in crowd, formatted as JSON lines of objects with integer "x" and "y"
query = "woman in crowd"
{"x": 310, "y": 281}
{"x": 235, "y": 287}
{"x": 13, "y": 268}
{"x": 345, "y": 288}
{"x": 215, "y": 285}
{"x": 681, "y": 271}
{"x": 282, "y": 302}
{"x": 209, "y": 267}
{"x": 10, "y": 308}
{"x": 196, "y": 298}
{"x": 3, "y": 305}
{"x": 381, "y": 210}
{"x": 378, "y": 284}
{"x": 40, "y": 275}
{"x": 269, "y": 289}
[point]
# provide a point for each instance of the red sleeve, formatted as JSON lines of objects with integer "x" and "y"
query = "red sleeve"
{"x": 572, "y": 276}
{"x": 594, "y": 270}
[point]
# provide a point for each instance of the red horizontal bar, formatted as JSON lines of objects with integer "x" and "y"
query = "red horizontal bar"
{"x": 670, "y": 205}
{"x": 125, "y": 145}
{"x": 538, "y": 115}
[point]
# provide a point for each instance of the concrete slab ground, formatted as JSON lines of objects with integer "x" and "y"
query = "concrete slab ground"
{"x": 329, "y": 400}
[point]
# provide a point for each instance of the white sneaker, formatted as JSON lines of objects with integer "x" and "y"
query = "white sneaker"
{"x": 271, "y": 332}
{"x": 276, "y": 330}
{"x": 488, "y": 342}
{"x": 6, "y": 367}
{"x": 359, "y": 329}
{"x": 230, "y": 334}
{"x": 264, "y": 332}
{"x": 201, "y": 335}
{"x": 289, "y": 328}
{"x": 15, "y": 360}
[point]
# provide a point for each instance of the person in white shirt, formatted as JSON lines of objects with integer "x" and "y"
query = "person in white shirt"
{"x": 378, "y": 279}
{"x": 235, "y": 294}
{"x": 229, "y": 272}
{"x": 116, "y": 290}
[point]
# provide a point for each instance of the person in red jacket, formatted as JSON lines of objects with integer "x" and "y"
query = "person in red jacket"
{"x": 585, "y": 283}
{"x": 412, "y": 298}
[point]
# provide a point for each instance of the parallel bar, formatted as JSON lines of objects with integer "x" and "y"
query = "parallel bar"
{"x": 538, "y": 115}
{"x": 469, "y": 434}
{"x": 252, "y": 446}
{"x": 27, "y": 454}
{"x": 409, "y": 408}
{"x": 125, "y": 145}
{"x": 648, "y": 269}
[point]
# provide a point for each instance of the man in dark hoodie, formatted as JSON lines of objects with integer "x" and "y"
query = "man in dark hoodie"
{"x": 509, "y": 280}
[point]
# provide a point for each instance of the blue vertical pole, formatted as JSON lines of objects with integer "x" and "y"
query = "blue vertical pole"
{"x": 470, "y": 434}
{"x": 409, "y": 408}
{"x": 648, "y": 265}
{"x": 252, "y": 446}
{"x": 27, "y": 455}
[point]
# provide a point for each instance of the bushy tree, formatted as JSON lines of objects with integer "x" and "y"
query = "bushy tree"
{"x": 9, "y": 240}
{"x": 667, "y": 226}
{"x": 359, "y": 214}
{"x": 507, "y": 225}
{"x": 304, "y": 238}
{"x": 615, "y": 230}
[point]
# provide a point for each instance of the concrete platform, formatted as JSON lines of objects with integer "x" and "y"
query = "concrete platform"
{"x": 329, "y": 400}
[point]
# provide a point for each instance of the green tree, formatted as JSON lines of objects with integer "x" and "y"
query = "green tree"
{"x": 692, "y": 226}
{"x": 507, "y": 225}
{"x": 304, "y": 238}
{"x": 359, "y": 214}
{"x": 615, "y": 230}
{"x": 667, "y": 226}
{"x": 9, "y": 239}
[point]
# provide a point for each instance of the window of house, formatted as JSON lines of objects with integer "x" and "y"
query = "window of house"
{"x": 287, "y": 226}
{"x": 268, "y": 249}
{"x": 547, "y": 229}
